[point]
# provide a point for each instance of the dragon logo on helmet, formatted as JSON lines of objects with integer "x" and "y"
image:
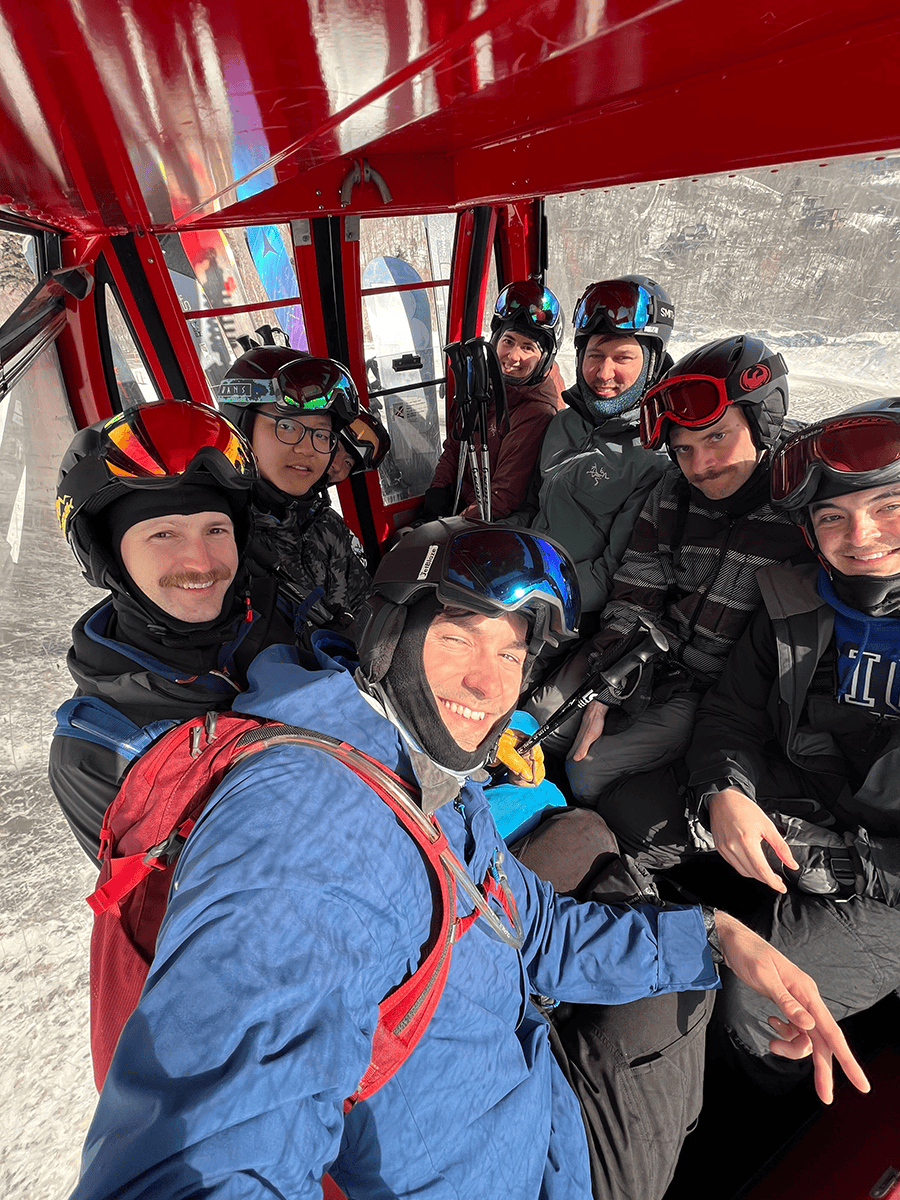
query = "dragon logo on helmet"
{"x": 755, "y": 377}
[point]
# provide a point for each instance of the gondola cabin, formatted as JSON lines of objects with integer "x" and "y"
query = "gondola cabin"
{"x": 360, "y": 180}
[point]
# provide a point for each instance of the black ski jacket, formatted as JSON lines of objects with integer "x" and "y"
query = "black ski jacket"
{"x": 85, "y": 776}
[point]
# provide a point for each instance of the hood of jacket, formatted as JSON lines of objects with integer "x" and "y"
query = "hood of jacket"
{"x": 284, "y": 686}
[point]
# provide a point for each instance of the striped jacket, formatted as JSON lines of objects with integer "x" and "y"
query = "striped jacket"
{"x": 691, "y": 567}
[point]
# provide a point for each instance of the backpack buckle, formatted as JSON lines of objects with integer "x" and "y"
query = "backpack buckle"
{"x": 161, "y": 856}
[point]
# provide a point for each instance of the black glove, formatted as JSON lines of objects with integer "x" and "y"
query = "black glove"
{"x": 437, "y": 502}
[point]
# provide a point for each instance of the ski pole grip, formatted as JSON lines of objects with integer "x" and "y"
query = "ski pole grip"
{"x": 611, "y": 677}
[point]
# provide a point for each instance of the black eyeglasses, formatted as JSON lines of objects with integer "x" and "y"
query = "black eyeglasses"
{"x": 292, "y": 433}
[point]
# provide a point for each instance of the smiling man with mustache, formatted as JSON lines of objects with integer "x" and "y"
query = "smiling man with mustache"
{"x": 155, "y": 503}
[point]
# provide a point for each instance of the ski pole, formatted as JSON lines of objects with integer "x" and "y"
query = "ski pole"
{"x": 611, "y": 678}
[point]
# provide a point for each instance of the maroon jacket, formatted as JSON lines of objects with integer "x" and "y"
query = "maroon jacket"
{"x": 513, "y": 456}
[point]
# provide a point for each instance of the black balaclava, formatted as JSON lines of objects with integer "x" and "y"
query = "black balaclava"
{"x": 406, "y": 690}
{"x": 870, "y": 594}
{"x": 139, "y": 621}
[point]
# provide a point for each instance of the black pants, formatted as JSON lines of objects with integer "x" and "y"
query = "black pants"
{"x": 637, "y": 1069}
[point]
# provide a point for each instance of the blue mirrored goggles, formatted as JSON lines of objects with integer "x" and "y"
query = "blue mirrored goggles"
{"x": 527, "y": 298}
{"x": 515, "y": 570}
{"x": 613, "y": 304}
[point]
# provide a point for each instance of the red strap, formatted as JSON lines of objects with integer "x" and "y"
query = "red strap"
{"x": 128, "y": 872}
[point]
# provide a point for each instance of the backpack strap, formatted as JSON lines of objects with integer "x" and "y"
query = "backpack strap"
{"x": 404, "y": 1014}
{"x": 90, "y": 719}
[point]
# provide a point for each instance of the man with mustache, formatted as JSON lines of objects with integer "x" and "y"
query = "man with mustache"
{"x": 155, "y": 505}
{"x": 299, "y": 901}
{"x": 690, "y": 568}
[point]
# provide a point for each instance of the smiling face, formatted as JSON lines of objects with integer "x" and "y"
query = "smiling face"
{"x": 474, "y": 665}
{"x": 611, "y": 364}
{"x": 859, "y": 534}
{"x": 719, "y": 459}
{"x": 184, "y": 564}
{"x": 519, "y": 355}
{"x": 293, "y": 469}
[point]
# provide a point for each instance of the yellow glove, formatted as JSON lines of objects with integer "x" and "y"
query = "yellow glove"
{"x": 528, "y": 769}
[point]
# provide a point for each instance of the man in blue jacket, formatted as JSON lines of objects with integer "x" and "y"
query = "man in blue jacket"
{"x": 299, "y": 901}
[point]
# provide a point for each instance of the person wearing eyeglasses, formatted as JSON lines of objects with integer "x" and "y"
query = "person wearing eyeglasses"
{"x": 293, "y": 408}
{"x": 794, "y": 763}
{"x": 526, "y": 332}
{"x": 593, "y": 474}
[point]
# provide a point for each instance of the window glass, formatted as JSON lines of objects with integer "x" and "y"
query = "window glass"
{"x": 18, "y": 260}
{"x": 46, "y": 924}
{"x": 233, "y": 268}
{"x": 133, "y": 379}
{"x": 490, "y": 299}
{"x": 803, "y": 255}
{"x": 404, "y": 328}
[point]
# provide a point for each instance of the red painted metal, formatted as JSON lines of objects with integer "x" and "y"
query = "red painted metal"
{"x": 119, "y": 115}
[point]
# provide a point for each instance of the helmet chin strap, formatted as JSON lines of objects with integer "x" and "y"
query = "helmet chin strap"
{"x": 874, "y": 595}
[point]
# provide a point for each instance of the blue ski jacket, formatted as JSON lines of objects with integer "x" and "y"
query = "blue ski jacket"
{"x": 298, "y": 902}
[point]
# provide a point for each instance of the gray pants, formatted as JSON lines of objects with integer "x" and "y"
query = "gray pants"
{"x": 851, "y": 949}
{"x": 658, "y": 737}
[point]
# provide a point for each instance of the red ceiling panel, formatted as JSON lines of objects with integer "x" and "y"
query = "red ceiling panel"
{"x": 122, "y": 115}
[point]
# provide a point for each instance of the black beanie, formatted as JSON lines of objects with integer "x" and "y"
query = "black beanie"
{"x": 144, "y": 505}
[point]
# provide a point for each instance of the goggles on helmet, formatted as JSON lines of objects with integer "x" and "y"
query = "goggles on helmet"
{"x": 366, "y": 442}
{"x": 689, "y": 400}
{"x": 512, "y": 570}
{"x": 150, "y": 445}
{"x": 861, "y": 448}
{"x": 616, "y": 304}
{"x": 529, "y": 299}
{"x": 305, "y": 385}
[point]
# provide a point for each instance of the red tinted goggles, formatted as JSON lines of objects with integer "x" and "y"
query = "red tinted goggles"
{"x": 690, "y": 400}
{"x": 855, "y": 446}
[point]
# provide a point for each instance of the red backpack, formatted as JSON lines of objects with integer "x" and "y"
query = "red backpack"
{"x": 149, "y": 821}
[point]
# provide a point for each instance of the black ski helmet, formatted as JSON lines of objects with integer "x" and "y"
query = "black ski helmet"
{"x": 630, "y": 306}
{"x": 528, "y": 308}
{"x": 149, "y": 448}
{"x": 739, "y": 370}
{"x": 852, "y": 451}
{"x": 292, "y": 380}
{"x": 491, "y": 569}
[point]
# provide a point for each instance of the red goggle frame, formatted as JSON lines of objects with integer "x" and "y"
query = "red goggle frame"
{"x": 690, "y": 400}
{"x": 855, "y": 445}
